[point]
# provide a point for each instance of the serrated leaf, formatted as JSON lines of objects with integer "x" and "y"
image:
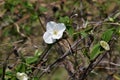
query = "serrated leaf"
{"x": 106, "y": 36}
{"x": 95, "y": 51}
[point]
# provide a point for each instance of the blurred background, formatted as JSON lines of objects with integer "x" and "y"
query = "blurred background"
{"x": 22, "y": 25}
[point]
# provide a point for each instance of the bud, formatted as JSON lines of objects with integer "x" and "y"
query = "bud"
{"x": 105, "y": 45}
{"x": 22, "y": 76}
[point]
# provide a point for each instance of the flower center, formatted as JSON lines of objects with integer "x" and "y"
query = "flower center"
{"x": 55, "y": 32}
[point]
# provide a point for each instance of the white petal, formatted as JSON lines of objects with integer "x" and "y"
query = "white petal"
{"x": 48, "y": 38}
{"x": 61, "y": 27}
{"x": 51, "y": 26}
{"x": 58, "y": 36}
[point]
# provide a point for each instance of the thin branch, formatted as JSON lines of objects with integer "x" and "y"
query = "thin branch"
{"x": 5, "y": 65}
{"x": 62, "y": 57}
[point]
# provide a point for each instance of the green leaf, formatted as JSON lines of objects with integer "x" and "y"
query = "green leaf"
{"x": 27, "y": 29}
{"x": 21, "y": 68}
{"x": 6, "y": 32}
{"x": 70, "y": 30}
{"x": 28, "y": 5}
{"x": 111, "y": 19}
{"x": 118, "y": 31}
{"x": 65, "y": 20}
{"x": 84, "y": 34}
{"x": 9, "y": 73}
{"x": 37, "y": 53}
{"x": 1, "y": 70}
{"x": 116, "y": 15}
{"x": 106, "y": 36}
{"x": 95, "y": 51}
{"x": 34, "y": 16}
{"x": 35, "y": 78}
{"x": 30, "y": 60}
{"x": 13, "y": 78}
{"x": 42, "y": 9}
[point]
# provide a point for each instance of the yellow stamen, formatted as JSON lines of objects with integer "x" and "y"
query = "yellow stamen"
{"x": 55, "y": 32}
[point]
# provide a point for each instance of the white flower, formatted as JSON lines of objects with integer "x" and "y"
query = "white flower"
{"x": 105, "y": 45}
{"x": 53, "y": 32}
{"x": 22, "y": 76}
